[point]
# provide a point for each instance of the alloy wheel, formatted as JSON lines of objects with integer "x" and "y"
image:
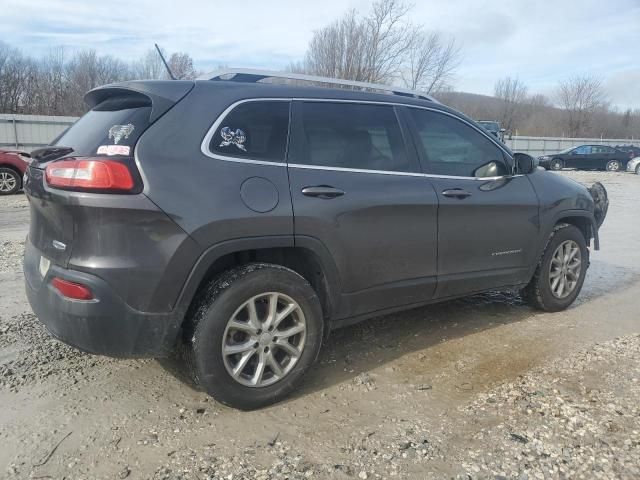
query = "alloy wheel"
{"x": 8, "y": 182}
{"x": 264, "y": 339}
{"x": 613, "y": 166}
{"x": 565, "y": 268}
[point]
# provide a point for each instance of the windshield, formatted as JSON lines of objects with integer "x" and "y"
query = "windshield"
{"x": 566, "y": 150}
{"x": 491, "y": 126}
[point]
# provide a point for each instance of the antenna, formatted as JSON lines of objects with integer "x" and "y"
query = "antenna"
{"x": 165, "y": 62}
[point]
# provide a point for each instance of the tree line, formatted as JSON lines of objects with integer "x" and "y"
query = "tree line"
{"x": 55, "y": 83}
{"x": 384, "y": 46}
{"x": 381, "y": 45}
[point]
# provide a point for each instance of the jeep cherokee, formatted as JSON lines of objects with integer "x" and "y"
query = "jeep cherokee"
{"x": 243, "y": 220}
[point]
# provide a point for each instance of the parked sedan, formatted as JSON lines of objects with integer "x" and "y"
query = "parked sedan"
{"x": 13, "y": 164}
{"x": 634, "y": 165}
{"x": 587, "y": 157}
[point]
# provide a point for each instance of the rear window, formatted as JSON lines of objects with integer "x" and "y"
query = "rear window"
{"x": 110, "y": 128}
{"x": 254, "y": 130}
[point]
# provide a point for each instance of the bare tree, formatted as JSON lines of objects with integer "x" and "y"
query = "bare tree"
{"x": 181, "y": 65}
{"x": 150, "y": 66}
{"x": 430, "y": 62}
{"x": 512, "y": 93}
{"x": 581, "y": 97}
{"x": 376, "y": 48}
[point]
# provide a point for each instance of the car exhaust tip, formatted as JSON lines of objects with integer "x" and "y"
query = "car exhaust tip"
{"x": 601, "y": 201}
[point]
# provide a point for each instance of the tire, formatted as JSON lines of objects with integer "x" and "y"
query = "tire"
{"x": 212, "y": 333}
{"x": 10, "y": 181}
{"x": 539, "y": 292}
{"x": 557, "y": 164}
{"x": 638, "y": 170}
{"x": 613, "y": 166}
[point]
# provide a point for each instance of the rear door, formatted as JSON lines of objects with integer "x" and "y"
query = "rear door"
{"x": 357, "y": 189}
{"x": 487, "y": 219}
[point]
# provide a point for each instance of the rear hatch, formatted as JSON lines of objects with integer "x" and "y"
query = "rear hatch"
{"x": 105, "y": 135}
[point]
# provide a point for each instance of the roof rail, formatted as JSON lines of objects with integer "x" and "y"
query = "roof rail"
{"x": 250, "y": 75}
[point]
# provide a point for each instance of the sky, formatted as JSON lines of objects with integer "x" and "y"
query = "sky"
{"x": 540, "y": 42}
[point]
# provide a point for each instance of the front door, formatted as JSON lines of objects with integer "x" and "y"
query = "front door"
{"x": 487, "y": 220}
{"x": 357, "y": 189}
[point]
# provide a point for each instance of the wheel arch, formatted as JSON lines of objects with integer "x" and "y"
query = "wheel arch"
{"x": 583, "y": 221}
{"x": 308, "y": 257}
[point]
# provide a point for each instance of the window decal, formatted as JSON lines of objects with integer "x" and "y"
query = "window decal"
{"x": 113, "y": 150}
{"x": 118, "y": 132}
{"x": 229, "y": 137}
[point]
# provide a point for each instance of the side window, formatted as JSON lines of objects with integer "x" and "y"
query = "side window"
{"x": 583, "y": 150}
{"x": 348, "y": 135}
{"x": 602, "y": 149}
{"x": 451, "y": 147}
{"x": 254, "y": 130}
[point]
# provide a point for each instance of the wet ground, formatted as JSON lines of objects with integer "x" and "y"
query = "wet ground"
{"x": 483, "y": 387}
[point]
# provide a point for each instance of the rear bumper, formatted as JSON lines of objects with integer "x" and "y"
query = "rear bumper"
{"x": 104, "y": 326}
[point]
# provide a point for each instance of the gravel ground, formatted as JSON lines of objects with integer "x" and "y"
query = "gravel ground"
{"x": 477, "y": 388}
{"x": 577, "y": 417}
{"x": 11, "y": 255}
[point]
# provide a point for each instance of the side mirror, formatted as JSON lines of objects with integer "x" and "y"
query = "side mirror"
{"x": 525, "y": 163}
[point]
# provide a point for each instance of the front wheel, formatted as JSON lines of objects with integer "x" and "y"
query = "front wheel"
{"x": 560, "y": 274}
{"x": 255, "y": 332}
{"x": 613, "y": 166}
{"x": 638, "y": 169}
{"x": 10, "y": 181}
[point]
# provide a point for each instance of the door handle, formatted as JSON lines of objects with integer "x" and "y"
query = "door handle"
{"x": 456, "y": 193}
{"x": 322, "y": 191}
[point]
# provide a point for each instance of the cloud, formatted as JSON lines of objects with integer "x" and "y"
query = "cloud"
{"x": 540, "y": 42}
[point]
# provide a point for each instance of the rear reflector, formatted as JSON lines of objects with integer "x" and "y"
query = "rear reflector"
{"x": 89, "y": 174}
{"x": 75, "y": 291}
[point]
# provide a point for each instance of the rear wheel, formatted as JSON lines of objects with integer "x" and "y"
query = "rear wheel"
{"x": 557, "y": 164}
{"x": 560, "y": 274}
{"x": 9, "y": 181}
{"x": 255, "y": 332}
{"x": 613, "y": 165}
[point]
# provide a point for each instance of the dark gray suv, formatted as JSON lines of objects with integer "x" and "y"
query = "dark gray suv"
{"x": 244, "y": 220}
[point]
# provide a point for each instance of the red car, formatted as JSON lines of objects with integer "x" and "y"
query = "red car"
{"x": 13, "y": 164}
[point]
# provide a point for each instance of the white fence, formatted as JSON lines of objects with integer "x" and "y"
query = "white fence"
{"x": 28, "y": 132}
{"x": 537, "y": 146}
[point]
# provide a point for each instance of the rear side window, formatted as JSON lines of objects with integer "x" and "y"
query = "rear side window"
{"x": 348, "y": 135}
{"x": 453, "y": 148}
{"x": 254, "y": 130}
{"x": 117, "y": 121}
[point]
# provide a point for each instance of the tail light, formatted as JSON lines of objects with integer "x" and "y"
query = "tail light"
{"x": 72, "y": 290}
{"x": 90, "y": 174}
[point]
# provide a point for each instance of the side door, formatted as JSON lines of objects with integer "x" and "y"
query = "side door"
{"x": 580, "y": 158}
{"x": 357, "y": 190}
{"x": 488, "y": 227}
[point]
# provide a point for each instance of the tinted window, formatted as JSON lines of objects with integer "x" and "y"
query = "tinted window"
{"x": 115, "y": 121}
{"x": 255, "y": 130}
{"x": 451, "y": 147}
{"x": 583, "y": 150}
{"x": 347, "y": 135}
{"x": 602, "y": 149}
